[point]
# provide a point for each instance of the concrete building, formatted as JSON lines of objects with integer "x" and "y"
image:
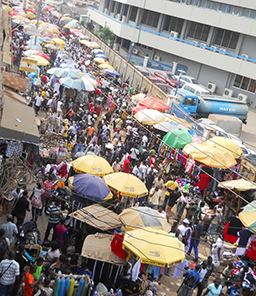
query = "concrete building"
{"x": 214, "y": 41}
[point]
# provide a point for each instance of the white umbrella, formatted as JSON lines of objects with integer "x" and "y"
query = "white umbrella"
{"x": 78, "y": 84}
{"x": 168, "y": 126}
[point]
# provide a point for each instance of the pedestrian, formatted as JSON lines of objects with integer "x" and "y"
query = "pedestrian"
{"x": 9, "y": 271}
{"x": 184, "y": 233}
{"x": 195, "y": 239}
{"x": 127, "y": 164}
{"x": 20, "y": 208}
{"x": 38, "y": 103}
{"x": 29, "y": 280}
{"x": 154, "y": 197}
{"x": 54, "y": 212}
{"x": 36, "y": 201}
{"x": 4, "y": 245}
{"x": 61, "y": 235}
{"x": 214, "y": 289}
{"x": 190, "y": 282}
{"x": 217, "y": 252}
{"x": 10, "y": 230}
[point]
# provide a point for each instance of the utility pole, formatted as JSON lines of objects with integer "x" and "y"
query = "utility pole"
{"x": 1, "y": 58}
{"x": 39, "y": 10}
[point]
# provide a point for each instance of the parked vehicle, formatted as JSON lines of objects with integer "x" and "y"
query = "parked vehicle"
{"x": 187, "y": 79}
{"x": 169, "y": 78}
{"x": 203, "y": 105}
{"x": 190, "y": 88}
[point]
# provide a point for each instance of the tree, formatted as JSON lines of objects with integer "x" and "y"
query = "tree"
{"x": 107, "y": 35}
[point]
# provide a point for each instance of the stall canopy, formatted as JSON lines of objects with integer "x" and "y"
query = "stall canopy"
{"x": 98, "y": 217}
{"x": 138, "y": 217}
{"x": 98, "y": 247}
{"x": 239, "y": 185}
{"x": 155, "y": 247}
{"x": 18, "y": 122}
{"x": 248, "y": 216}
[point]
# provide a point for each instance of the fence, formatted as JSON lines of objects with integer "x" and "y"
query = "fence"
{"x": 128, "y": 71}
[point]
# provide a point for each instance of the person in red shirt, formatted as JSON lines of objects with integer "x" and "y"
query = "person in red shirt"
{"x": 91, "y": 107}
{"x": 29, "y": 281}
{"x": 127, "y": 164}
{"x": 44, "y": 79}
{"x": 61, "y": 233}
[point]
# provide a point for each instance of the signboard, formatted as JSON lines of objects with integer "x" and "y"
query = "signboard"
{"x": 28, "y": 65}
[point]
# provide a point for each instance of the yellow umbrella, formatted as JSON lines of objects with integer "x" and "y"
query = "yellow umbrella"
{"x": 150, "y": 117}
{"x": 154, "y": 247}
{"x": 35, "y": 21}
{"x": 85, "y": 42}
{"x": 94, "y": 45}
{"x": 126, "y": 184}
{"x": 58, "y": 41}
{"x": 227, "y": 144}
{"x": 92, "y": 164}
{"x": 66, "y": 19}
{"x": 40, "y": 60}
{"x": 31, "y": 15}
{"x": 239, "y": 185}
{"x": 99, "y": 60}
{"x": 139, "y": 217}
{"x": 211, "y": 155}
{"x": 138, "y": 97}
{"x": 105, "y": 66}
{"x": 50, "y": 46}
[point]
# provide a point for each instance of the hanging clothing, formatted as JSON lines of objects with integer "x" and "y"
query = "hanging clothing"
{"x": 80, "y": 287}
{"x": 57, "y": 287}
{"x": 61, "y": 291}
{"x": 136, "y": 270}
{"x": 71, "y": 287}
{"x": 116, "y": 245}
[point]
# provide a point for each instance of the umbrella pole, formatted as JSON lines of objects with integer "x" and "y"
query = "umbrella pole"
{"x": 39, "y": 10}
{"x": 94, "y": 269}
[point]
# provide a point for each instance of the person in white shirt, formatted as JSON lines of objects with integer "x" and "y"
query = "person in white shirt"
{"x": 9, "y": 270}
{"x": 154, "y": 197}
{"x": 59, "y": 108}
{"x": 144, "y": 141}
{"x": 38, "y": 103}
{"x": 10, "y": 229}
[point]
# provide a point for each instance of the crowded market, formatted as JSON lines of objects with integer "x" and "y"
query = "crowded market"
{"x": 127, "y": 197}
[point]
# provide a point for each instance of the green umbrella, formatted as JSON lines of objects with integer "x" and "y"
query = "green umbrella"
{"x": 177, "y": 138}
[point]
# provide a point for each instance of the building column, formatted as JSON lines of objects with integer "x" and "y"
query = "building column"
{"x": 139, "y": 16}
{"x": 128, "y": 13}
{"x": 184, "y": 29}
{"x": 210, "y": 36}
{"x": 115, "y": 9}
{"x": 112, "y": 3}
{"x": 122, "y": 11}
{"x": 160, "y": 23}
{"x": 239, "y": 44}
{"x": 102, "y": 5}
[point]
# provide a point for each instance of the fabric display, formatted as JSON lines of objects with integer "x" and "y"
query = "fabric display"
{"x": 14, "y": 149}
{"x": 69, "y": 286}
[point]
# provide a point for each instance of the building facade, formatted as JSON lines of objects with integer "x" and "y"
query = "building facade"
{"x": 214, "y": 41}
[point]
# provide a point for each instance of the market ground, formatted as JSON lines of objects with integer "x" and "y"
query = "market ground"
{"x": 249, "y": 130}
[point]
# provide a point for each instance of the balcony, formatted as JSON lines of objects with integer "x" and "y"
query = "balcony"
{"x": 211, "y": 17}
{"x": 192, "y": 50}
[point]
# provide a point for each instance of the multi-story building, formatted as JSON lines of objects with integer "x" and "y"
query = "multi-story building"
{"x": 213, "y": 40}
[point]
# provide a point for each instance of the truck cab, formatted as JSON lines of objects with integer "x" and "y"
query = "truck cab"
{"x": 189, "y": 104}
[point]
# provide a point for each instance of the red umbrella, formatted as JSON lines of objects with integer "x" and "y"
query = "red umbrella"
{"x": 154, "y": 103}
{"x": 138, "y": 108}
{"x": 76, "y": 32}
{"x": 44, "y": 55}
{"x": 32, "y": 10}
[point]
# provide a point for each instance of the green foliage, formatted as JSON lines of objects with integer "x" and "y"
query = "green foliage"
{"x": 107, "y": 35}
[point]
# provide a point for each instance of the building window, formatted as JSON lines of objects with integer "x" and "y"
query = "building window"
{"x": 126, "y": 44}
{"x": 198, "y": 31}
{"x": 107, "y": 3}
{"x": 150, "y": 18}
{"x": 245, "y": 83}
{"x": 172, "y": 24}
{"x": 125, "y": 11}
{"x": 133, "y": 13}
{"x": 227, "y": 39}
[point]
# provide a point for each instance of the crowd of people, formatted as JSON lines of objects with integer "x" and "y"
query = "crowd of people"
{"x": 101, "y": 122}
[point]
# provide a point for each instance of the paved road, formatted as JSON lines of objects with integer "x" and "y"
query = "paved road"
{"x": 249, "y": 130}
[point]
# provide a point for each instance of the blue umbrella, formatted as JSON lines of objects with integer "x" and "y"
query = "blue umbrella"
{"x": 79, "y": 84}
{"x": 64, "y": 72}
{"x": 91, "y": 187}
{"x": 110, "y": 72}
{"x": 101, "y": 56}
